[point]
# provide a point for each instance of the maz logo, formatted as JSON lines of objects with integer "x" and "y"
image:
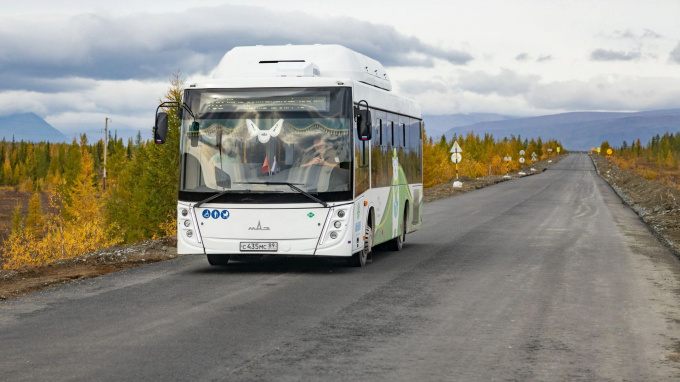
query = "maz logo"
{"x": 258, "y": 228}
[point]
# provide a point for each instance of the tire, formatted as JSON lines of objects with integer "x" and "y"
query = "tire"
{"x": 217, "y": 260}
{"x": 397, "y": 243}
{"x": 360, "y": 258}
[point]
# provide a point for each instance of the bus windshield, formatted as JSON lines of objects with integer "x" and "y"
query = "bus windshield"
{"x": 257, "y": 140}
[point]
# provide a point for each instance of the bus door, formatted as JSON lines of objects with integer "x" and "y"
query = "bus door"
{"x": 359, "y": 228}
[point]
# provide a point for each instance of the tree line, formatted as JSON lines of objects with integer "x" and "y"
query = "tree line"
{"x": 658, "y": 159}
{"x": 138, "y": 203}
{"x": 482, "y": 156}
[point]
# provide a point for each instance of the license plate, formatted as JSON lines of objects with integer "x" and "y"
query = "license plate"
{"x": 252, "y": 246}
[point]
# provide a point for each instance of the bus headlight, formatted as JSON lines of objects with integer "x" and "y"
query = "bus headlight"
{"x": 337, "y": 224}
{"x": 187, "y": 223}
{"x": 190, "y": 233}
{"x": 334, "y": 235}
{"x": 341, "y": 213}
{"x": 185, "y": 212}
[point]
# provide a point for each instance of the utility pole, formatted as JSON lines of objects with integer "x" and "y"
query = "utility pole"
{"x": 106, "y": 143}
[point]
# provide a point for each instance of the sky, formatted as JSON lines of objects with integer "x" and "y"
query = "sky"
{"x": 77, "y": 62}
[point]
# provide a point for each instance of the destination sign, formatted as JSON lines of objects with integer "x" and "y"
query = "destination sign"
{"x": 218, "y": 103}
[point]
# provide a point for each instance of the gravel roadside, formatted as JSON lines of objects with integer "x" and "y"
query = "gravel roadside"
{"x": 657, "y": 204}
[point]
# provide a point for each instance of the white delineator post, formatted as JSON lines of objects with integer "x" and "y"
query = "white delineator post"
{"x": 456, "y": 157}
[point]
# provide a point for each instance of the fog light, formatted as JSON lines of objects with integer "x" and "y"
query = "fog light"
{"x": 334, "y": 235}
{"x": 187, "y": 223}
{"x": 337, "y": 224}
{"x": 341, "y": 213}
{"x": 190, "y": 233}
{"x": 185, "y": 212}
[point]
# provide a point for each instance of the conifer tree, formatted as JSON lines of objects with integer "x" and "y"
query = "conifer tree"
{"x": 17, "y": 220}
{"x": 34, "y": 220}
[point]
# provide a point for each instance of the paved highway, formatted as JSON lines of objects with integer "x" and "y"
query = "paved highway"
{"x": 547, "y": 277}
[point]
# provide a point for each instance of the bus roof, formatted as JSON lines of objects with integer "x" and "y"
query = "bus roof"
{"x": 332, "y": 61}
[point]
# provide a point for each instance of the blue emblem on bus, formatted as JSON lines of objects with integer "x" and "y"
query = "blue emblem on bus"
{"x": 215, "y": 214}
{"x": 225, "y": 214}
{"x": 206, "y": 214}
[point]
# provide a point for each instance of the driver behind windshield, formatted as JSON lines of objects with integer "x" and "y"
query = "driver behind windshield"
{"x": 323, "y": 153}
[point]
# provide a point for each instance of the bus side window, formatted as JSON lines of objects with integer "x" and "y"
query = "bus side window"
{"x": 392, "y": 132}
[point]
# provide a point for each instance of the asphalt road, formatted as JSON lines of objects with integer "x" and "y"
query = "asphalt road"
{"x": 547, "y": 277}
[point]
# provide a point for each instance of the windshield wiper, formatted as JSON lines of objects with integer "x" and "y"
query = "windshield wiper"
{"x": 211, "y": 198}
{"x": 291, "y": 185}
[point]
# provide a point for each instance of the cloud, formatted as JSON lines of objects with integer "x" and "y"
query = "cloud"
{"x": 608, "y": 93}
{"x": 630, "y": 34}
{"x": 415, "y": 87}
{"x": 143, "y": 46}
{"x": 527, "y": 95}
{"x": 522, "y": 57}
{"x": 648, "y": 33}
{"x": 506, "y": 83}
{"x": 72, "y": 110}
{"x": 675, "y": 54}
{"x": 611, "y": 55}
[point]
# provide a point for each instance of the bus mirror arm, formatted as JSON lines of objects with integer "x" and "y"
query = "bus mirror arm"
{"x": 363, "y": 118}
{"x": 160, "y": 128}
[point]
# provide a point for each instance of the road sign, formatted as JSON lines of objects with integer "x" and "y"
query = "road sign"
{"x": 598, "y": 150}
{"x": 558, "y": 149}
{"x": 609, "y": 151}
{"x": 521, "y": 152}
{"x": 507, "y": 159}
{"x": 521, "y": 160}
{"x": 549, "y": 150}
{"x": 456, "y": 148}
{"x": 456, "y": 158}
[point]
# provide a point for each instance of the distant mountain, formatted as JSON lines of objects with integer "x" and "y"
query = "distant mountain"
{"x": 28, "y": 127}
{"x": 582, "y": 130}
{"x": 437, "y": 125}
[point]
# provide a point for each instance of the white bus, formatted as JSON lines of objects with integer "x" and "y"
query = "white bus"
{"x": 296, "y": 151}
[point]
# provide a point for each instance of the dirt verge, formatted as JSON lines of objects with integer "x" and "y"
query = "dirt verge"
{"x": 15, "y": 283}
{"x": 657, "y": 205}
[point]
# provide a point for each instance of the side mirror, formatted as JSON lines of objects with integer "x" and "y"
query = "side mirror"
{"x": 160, "y": 130}
{"x": 364, "y": 131}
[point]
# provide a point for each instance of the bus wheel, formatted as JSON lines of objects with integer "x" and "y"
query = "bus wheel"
{"x": 397, "y": 243}
{"x": 218, "y": 259}
{"x": 359, "y": 259}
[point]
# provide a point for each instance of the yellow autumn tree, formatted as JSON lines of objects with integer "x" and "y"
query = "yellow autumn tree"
{"x": 34, "y": 220}
{"x": 84, "y": 229}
